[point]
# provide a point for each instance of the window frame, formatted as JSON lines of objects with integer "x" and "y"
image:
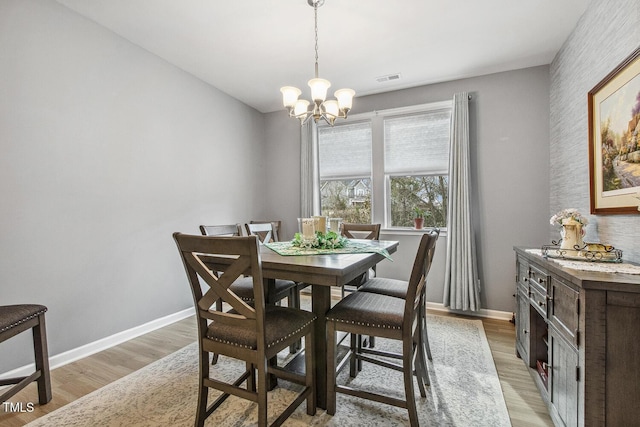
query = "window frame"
{"x": 380, "y": 181}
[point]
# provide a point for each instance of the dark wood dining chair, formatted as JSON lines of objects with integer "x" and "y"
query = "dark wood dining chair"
{"x": 359, "y": 231}
{"x": 367, "y": 232}
{"x": 266, "y": 232}
{"x": 253, "y": 333}
{"x": 399, "y": 289}
{"x": 15, "y": 319}
{"x": 243, "y": 287}
{"x": 367, "y": 313}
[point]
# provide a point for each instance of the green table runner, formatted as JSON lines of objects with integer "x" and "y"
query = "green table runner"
{"x": 287, "y": 249}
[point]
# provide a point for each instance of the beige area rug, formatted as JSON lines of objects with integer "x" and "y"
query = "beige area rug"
{"x": 465, "y": 391}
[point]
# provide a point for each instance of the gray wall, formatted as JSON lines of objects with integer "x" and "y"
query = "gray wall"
{"x": 607, "y": 33}
{"x": 509, "y": 120}
{"x": 105, "y": 151}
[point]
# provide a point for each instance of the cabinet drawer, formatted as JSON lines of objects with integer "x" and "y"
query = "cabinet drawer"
{"x": 564, "y": 309}
{"x": 539, "y": 300}
{"x": 538, "y": 279}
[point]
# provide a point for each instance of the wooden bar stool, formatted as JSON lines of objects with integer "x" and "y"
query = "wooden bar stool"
{"x": 15, "y": 319}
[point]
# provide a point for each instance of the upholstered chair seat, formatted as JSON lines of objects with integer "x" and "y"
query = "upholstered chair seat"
{"x": 12, "y": 316}
{"x": 369, "y": 309}
{"x": 384, "y": 286}
{"x": 15, "y": 319}
{"x": 280, "y": 323}
{"x": 243, "y": 287}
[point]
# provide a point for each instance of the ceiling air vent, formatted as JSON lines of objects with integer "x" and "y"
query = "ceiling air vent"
{"x": 388, "y": 78}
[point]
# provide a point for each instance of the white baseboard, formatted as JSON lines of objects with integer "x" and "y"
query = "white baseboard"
{"x": 489, "y": 314}
{"x": 72, "y": 355}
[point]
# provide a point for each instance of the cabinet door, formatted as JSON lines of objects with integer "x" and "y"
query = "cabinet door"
{"x": 522, "y": 269}
{"x": 523, "y": 328}
{"x": 563, "y": 379}
{"x": 564, "y": 309}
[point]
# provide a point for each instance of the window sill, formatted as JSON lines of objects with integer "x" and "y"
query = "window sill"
{"x": 409, "y": 231}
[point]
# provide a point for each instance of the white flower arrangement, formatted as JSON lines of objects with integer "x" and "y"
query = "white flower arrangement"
{"x": 328, "y": 240}
{"x": 566, "y": 215}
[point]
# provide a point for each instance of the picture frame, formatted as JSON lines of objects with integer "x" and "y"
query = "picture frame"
{"x": 614, "y": 140}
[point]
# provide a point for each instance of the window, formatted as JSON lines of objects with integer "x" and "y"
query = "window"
{"x": 345, "y": 171}
{"x": 379, "y": 167}
{"x": 416, "y": 164}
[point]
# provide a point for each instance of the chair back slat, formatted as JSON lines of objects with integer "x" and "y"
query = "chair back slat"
{"x": 240, "y": 255}
{"x": 432, "y": 251}
{"x": 264, "y": 231}
{"x": 219, "y": 283}
{"x": 277, "y": 228}
{"x": 221, "y": 230}
{"x": 421, "y": 266}
{"x": 361, "y": 231}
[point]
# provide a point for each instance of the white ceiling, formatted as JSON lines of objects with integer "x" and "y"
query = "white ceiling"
{"x": 250, "y": 48}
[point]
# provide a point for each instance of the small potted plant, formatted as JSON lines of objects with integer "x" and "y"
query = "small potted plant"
{"x": 418, "y": 218}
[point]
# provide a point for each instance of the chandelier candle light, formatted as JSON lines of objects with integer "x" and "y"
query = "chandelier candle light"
{"x": 328, "y": 110}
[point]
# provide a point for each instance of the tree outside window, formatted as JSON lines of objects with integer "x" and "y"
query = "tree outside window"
{"x": 428, "y": 193}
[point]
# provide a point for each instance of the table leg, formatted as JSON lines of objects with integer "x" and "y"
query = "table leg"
{"x": 320, "y": 304}
{"x": 269, "y": 290}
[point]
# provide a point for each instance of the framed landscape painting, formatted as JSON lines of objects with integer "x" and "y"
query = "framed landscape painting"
{"x": 614, "y": 140}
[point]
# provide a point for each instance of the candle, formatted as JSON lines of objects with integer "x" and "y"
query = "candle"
{"x": 308, "y": 229}
{"x": 334, "y": 224}
{"x": 320, "y": 223}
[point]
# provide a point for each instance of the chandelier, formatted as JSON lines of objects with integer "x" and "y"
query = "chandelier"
{"x": 328, "y": 110}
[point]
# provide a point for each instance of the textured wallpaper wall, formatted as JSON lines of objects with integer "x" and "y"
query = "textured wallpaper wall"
{"x": 607, "y": 33}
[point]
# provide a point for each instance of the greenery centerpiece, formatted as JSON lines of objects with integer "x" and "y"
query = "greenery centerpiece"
{"x": 328, "y": 240}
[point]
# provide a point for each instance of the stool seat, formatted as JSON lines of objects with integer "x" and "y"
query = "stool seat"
{"x": 12, "y": 316}
{"x": 18, "y": 318}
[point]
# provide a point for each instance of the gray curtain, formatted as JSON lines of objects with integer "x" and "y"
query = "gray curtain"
{"x": 461, "y": 287}
{"x": 309, "y": 171}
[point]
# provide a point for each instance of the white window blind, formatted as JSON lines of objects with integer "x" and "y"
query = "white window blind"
{"x": 417, "y": 143}
{"x": 345, "y": 151}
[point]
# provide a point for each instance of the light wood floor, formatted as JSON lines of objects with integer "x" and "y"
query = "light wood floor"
{"x": 76, "y": 379}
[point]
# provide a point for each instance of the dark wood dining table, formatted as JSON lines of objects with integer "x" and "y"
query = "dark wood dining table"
{"x": 322, "y": 272}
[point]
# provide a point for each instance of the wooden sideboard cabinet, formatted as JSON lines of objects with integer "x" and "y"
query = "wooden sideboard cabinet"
{"x": 579, "y": 333}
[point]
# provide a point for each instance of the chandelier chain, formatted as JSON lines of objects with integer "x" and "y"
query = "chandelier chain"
{"x": 315, "y": 10}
